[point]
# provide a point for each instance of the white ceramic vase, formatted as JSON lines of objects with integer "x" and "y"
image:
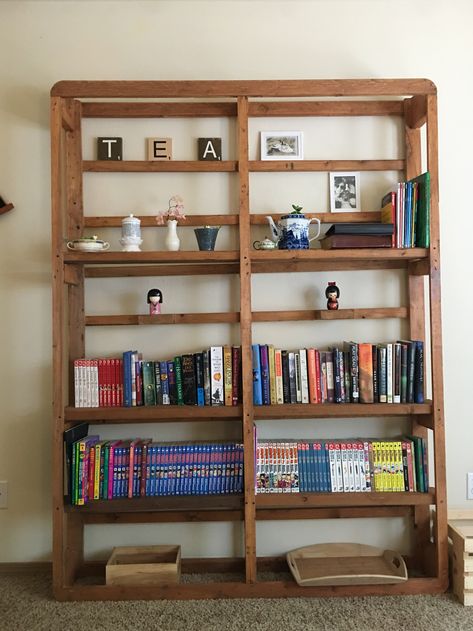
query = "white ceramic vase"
{"x": 172, "y": 240}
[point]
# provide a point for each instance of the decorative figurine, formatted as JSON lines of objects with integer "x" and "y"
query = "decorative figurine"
{"x": 332, "y": 293}
{"x": 155, "y": 298}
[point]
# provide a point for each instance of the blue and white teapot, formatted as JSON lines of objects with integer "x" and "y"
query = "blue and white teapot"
{"x": 292, "y": 231}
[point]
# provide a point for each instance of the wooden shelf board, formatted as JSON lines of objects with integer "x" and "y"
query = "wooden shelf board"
{"x": 231, "y": 514}
{"x": 165, "y": 516}
{"x": 157, "y": 166}
{"x": 329, "y": 218}
{"x": 165, "y": 503}
{"x": 326, "y": 165}
{"x": 108, "y": 258}
{"x": 266, "y": 589}
{"x": 325, "y": 314}
{"x": 359, "y": 254}
{"x": 149, "y": 221}
{"x": 339, "y": 410}
{"x": 229, "y": 109}
{"x": 294, "y": 88}
{"x": 325, "y": 108}
{"x": 159, "y": 110}
{"x": 299, "y": 500}
{"x": 153, "y": 414}
{"x": 233, "y": 317}
{"x": 230, "y": 219}
{"x": 284, "y": 257}
{"x": 193, "y": 269}
{"x": 163, "y": 318}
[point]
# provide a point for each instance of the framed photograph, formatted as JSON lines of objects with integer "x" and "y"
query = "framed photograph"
{"x": 344, "y": 192}
{"x": 281, "y": 145}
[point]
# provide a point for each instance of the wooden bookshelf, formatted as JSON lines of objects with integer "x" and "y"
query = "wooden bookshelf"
{"x": 414, "y": 103}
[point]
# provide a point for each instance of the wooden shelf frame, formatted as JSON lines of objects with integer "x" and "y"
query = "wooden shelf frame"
{"x": 415, "y": 101}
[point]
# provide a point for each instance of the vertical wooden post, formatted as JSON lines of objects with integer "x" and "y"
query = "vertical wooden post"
{"x": 66, "y": 157}
{"x": 245, "y": 339}
{"x": 440, "y": 522}
{"x": 416, "y": 286}
{"x": 58, "y": 324}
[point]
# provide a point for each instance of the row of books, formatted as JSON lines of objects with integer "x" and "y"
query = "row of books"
{"x": 342, "y": 466}
{"x": 408, "y": 208}
{"x": 105, "y": 470}
{"x": 351, "y": 373}
{"x": 210, "y": 377}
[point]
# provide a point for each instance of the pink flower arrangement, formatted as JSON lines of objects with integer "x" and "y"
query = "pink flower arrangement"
{"x": 175, "y": 211}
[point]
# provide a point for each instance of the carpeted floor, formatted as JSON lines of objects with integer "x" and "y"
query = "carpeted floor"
{"x": 26, "y": 604}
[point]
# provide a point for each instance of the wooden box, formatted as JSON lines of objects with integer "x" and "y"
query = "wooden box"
{"x": 460, "y": 532}
{"x": 144, "y": 565}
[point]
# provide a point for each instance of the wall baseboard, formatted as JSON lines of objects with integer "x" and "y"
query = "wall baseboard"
{"x": 26, "y": 567}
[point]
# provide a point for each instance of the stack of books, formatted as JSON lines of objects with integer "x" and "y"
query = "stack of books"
{"x": 407, "y": 206}
{"x": 358, "y": 235}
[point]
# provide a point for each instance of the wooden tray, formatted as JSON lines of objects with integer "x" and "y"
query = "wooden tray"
{"x": 345, "y": 564}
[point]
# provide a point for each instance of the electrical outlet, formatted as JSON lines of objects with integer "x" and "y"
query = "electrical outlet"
{"x": 4, "y": 494}
{"x": 469, "y": 486}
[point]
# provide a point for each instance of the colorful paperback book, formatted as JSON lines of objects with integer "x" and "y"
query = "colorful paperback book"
{"x": 216, "y": 375}
{"x": 163, "y": 368}
{"x": 172, "y": 382}
{"x": 70, "y": 437}
{"x": 149, "y": 385}
{"x": 257, "y": 380}
{"x": 264, "y": 362}
{"x": 179, "y": 386}
{"x": 236, "y": 374}
{"x": 189, "y": 384}
{"x": 227, "y": 372}
{"x": 199, "y": 378}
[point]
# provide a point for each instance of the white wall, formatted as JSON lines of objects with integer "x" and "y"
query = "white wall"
{"x": 43, "y": 42}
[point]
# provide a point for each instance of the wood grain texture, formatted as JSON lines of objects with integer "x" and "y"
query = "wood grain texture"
{"x": 163, "y": 318}
{"x": 326, "y": 165}
{"x": 270, "y": 88}
{"x": 267, "y": 589}
{"x": 149, "y": 221}
{"x": 120, "y": 271}
{"x": 326, "y": 108}
{"x": 440, "y": 524}
{"x": 153, "y": 414}
{"x": 171, "y": 166}
{"x": 325, "y": 314}
{"x": 158, "y": 110}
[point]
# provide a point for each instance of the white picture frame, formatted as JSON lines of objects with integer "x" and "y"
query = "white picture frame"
{"x": 344, "y": 192}
{"x": 281, "y": 145}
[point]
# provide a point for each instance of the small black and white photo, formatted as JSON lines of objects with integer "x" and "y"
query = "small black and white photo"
{"x": 344, "y": 192}
{"x": 281, "y": 145}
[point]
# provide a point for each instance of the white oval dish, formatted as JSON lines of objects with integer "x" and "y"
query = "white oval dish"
{"x": 88, "y": 245}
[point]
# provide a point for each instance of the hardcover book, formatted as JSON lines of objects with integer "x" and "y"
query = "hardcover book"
{"x": 360, "y": 229}
{"x": 188, "y": 380}
{"x": 341, "y": 241}
{"x": 149, "y": 385}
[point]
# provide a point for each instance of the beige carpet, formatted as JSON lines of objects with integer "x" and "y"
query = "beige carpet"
{"x": 26, "y": 604}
